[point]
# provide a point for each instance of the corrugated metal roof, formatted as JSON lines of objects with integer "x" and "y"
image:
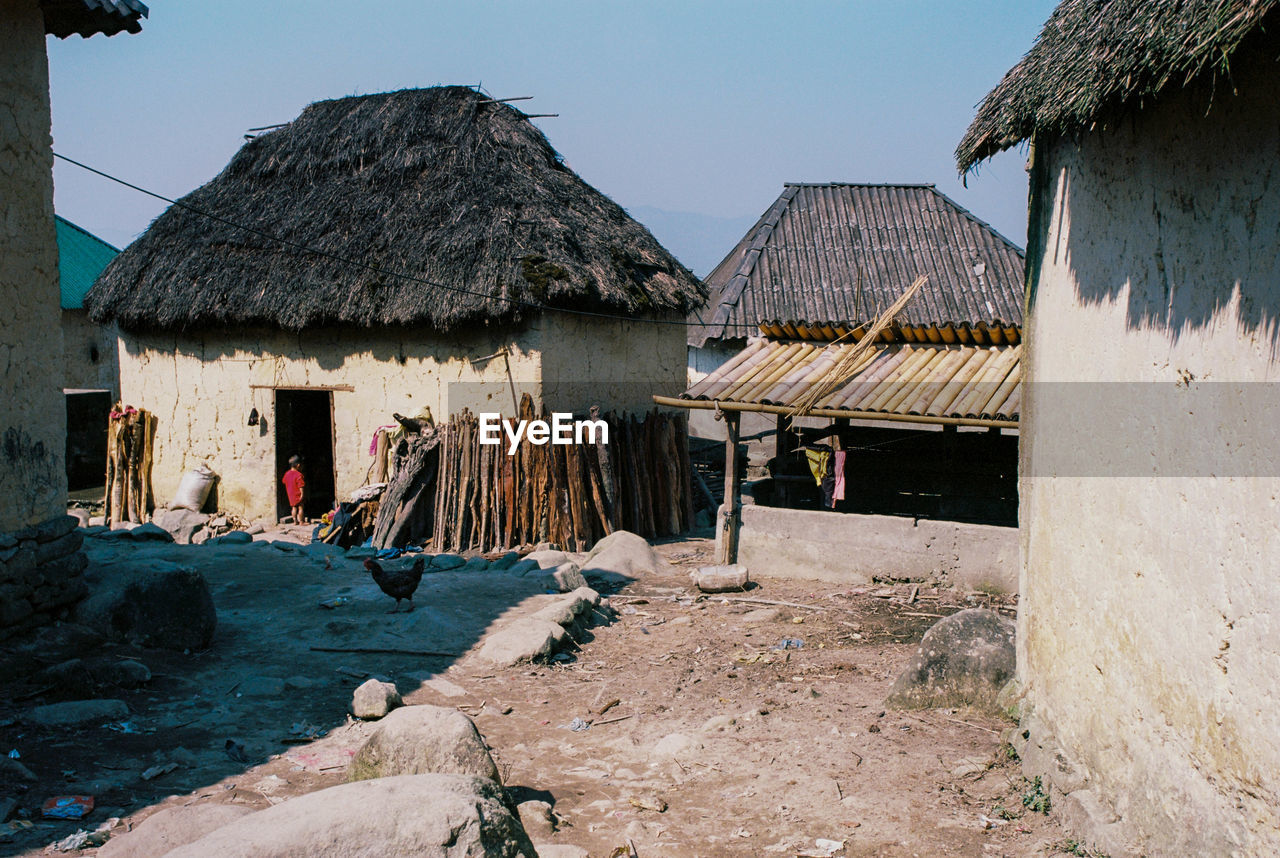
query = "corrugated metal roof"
{"x": 938, "y": 382}
{"x": 81, "y": 258}
{"x": 88, "y": 17}
{"x": 836, "y": 254}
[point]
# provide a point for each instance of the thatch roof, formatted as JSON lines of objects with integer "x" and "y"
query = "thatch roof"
{"x": 442, "y": 185}
{"x": 1096, "y": 57}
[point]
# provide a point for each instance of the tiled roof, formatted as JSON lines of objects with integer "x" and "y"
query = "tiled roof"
{"x": 81, "y": 258}
{"x": 833, "y": 255}
{"x": 932, "y": 383}
{"x": 88, "y": 17}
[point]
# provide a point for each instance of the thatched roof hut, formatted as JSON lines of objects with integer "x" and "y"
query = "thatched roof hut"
{"x": 1095, "y": 58}
{"x": 423, "y": 207}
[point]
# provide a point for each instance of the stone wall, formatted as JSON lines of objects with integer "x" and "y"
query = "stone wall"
{"x": 201, "y": 388}
{"x": 40, "y": 576}
{"x": 33, "y": 425}
{"x": 1149, "y": 635}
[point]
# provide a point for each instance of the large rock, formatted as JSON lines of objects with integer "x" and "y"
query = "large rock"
{"x": 964, "y": 660}
{"x": 374, "y": 699}
{"x": 548, "y": 559}
{"x": 415, "y": 740}
{"x": 163, "y": 605}
{"x": 521, "y": 640}
{"x": 182, "y": 524}
{"x": 426, "y": 816}
{"x": 170, "y": 828}
{"x": 75, "y": 713}
{"x": 621, "y": 553}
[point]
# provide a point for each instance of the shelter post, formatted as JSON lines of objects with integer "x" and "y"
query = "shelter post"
{"x": 731, "y": 511}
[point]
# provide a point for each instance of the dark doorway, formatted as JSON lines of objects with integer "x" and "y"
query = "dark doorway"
{"x": 304, "y": 427}
{"x": 87, "y": 413}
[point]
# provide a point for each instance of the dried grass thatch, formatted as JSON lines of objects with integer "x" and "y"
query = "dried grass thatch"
{"x": 1096, "y": 57}
{"x": 441, "y": 185}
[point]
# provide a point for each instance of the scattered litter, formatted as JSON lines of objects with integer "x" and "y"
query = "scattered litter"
{"x": 577, "y": 725}
{"x": 10, "y": 828}
{"x": 14, "y": 755}
{"x": 988, "y": 823}
{"x": 122, "y": 727}
{"x": 83, "y": 839}
{"x": 822, "y": 848}
{"x": 335, "y": 602}
{"x": 790, "y": 643}
{"x": 306, "y": 731}
{"x": 156, "y": 771}
{"x": 235, "y": 751}
{"x": 648, "y": 802}
{"x": 67, "y": 807}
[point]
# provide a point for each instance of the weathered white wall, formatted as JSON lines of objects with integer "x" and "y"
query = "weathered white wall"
{"x": 33, "y": 428}
{"x": 79, "y": 338}
{"x": 201, "y": 388}
{"x": 1149, "y": 627}
{"x": 845, "y": 548}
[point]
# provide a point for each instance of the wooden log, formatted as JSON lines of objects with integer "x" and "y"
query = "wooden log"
{"x": 686, "y": 470}
{"x": 721, "y": 579}
{"x": 727, "y": 539}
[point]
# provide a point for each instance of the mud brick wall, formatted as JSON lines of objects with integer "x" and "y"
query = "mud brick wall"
{"x": 40, "y": 573}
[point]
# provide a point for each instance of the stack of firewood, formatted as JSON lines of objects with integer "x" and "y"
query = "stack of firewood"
{"x": 131, "y": 434}
{"x": 456, "y": 494}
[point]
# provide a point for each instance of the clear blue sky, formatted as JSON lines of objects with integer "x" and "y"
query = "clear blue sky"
{"x": 698, "y": 107}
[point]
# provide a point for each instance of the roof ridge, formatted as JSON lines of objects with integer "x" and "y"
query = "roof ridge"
{"x": 85, "y": 232}
{"x": 859, "y": 184}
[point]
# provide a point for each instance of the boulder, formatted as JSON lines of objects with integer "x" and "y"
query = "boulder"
{"x": 150, "y": 532}
{"x": 416, "y": 740}
{"x": 721, "y": 579}
{"x": 234, "y": 537}
{"x": 74, "y": 713}
{"x": 445, "y": 562}
{"x": 561, "y": 850}
{"x": 506, "y": 561}
{"x": 122, "y": 673}
{"x": 547, "y": 559}
{"x": 566, "y": 578}
{"x": 523, "y": 567}
{"x": 170, "y": 828}
{"x": 476, "y": 564}
{"x": 524, "y": 639}
{"x": 621, "y": 553}
{"x": 537, "y": 819}
{"x": 12, "y": 772}
{"x": 374, "y": 699}
{"x": 163, "y": 605}
{"x": 427, "y": 816}
{"x": 81, "y": 516}
{"x": 182, "y": 524}
{"x": 963, "y": 660}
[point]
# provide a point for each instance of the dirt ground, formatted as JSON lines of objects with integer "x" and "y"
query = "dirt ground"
{"x": 705, "y": 737}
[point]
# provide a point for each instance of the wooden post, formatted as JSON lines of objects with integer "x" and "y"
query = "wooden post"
{"x": 732, "y": 507}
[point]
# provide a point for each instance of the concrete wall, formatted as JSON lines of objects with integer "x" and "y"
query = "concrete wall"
{"x": 851, "y": 549}
{"x": 81, "y": 339}
{"x": 32, "y": 429}
{"x": 1149, "y": 632}
{"x": 201, "y": 388}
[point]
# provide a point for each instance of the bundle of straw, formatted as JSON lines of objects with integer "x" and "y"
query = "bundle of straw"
{"x": 847, "y": 366}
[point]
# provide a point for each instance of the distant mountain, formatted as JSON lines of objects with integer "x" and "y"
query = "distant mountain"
{"x": 699, "y": 241}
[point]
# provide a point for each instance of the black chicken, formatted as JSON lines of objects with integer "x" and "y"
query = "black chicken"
{"x": 398, "y": 584}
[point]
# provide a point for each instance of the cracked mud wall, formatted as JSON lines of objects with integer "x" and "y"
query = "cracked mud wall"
{"x": 1149, "y": 629}
{"x": 33, "y": 428}
{"x": 202, "y": 388}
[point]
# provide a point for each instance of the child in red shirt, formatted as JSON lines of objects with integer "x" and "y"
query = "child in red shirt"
{"x": 293, "y": 485}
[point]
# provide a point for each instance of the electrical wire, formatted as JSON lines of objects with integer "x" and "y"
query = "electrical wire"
{"x": 396, "y": 274}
